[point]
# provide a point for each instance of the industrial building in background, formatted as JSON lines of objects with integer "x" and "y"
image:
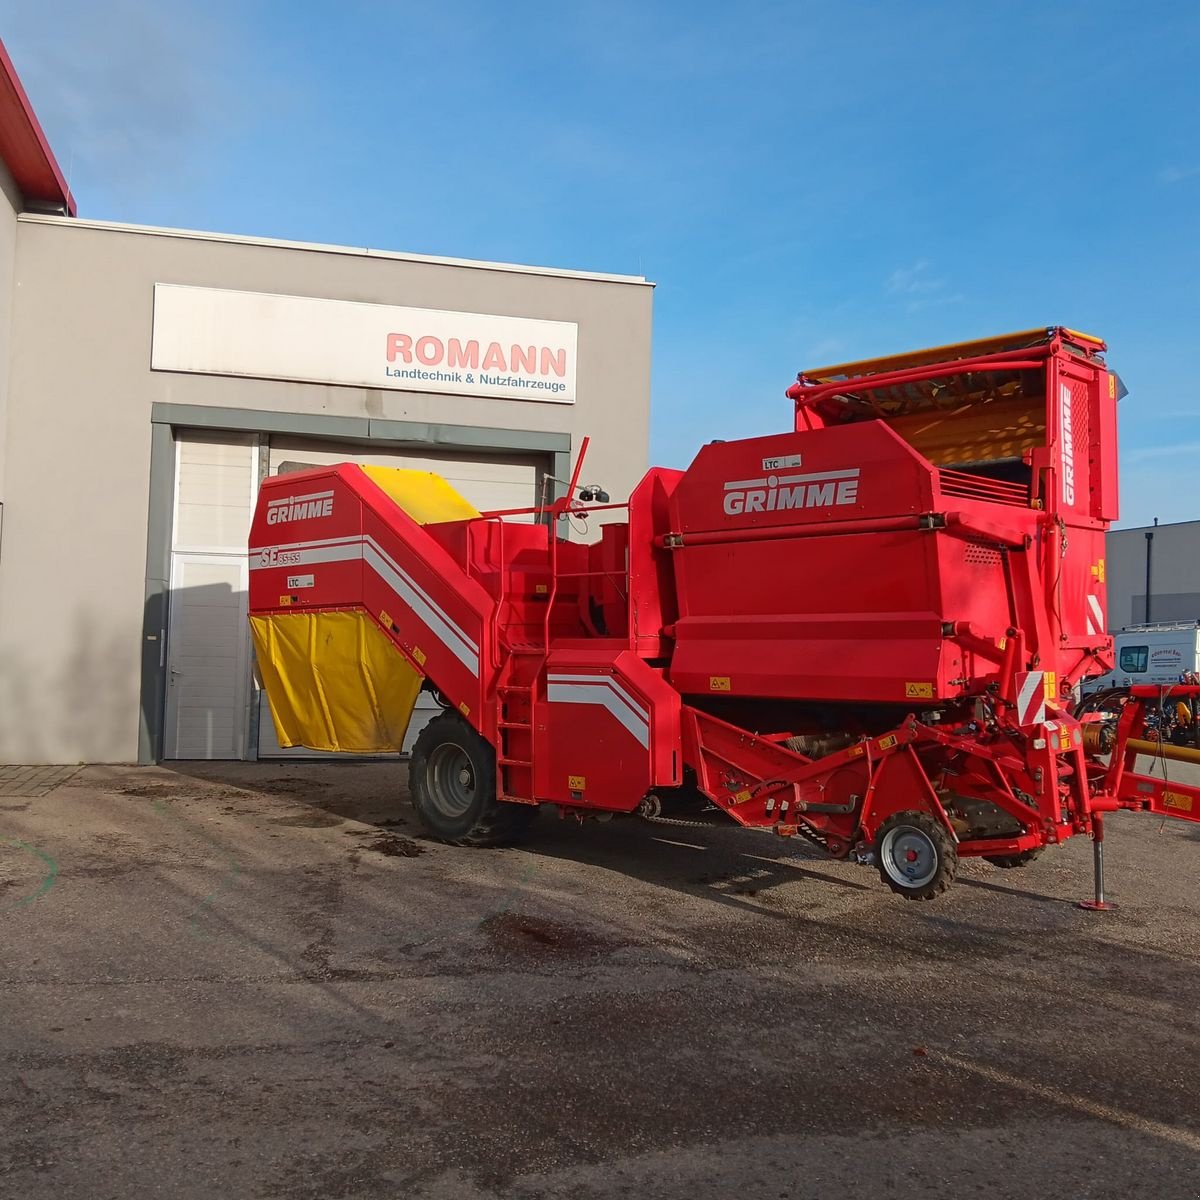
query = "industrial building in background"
{"x": 1154, "y": 574}
{"x": 150, "y": 379}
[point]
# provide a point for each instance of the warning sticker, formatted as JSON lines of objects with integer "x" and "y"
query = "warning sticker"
{"x": 718, "y": 683}
{"x": 577, "y": 783}
{"x": 1177, "y": 801}
{"x": 918, "y": 691}
{"x": 886, "y": 743}
{"x": 419, "y": 655}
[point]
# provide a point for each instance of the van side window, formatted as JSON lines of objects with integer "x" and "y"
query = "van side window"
{"x": 1134, "y": 659}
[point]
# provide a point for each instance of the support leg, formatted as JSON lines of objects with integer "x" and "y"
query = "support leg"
{"x": 1098, "y": 903}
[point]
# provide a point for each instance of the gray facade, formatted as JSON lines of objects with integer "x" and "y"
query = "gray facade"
{"x": 1154, "y": 574}
{"x": 10, "y": 205}
{"x": 89, "y": 436}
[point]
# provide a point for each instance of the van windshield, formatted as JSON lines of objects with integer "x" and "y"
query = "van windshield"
{"x": 1134, "y": 659}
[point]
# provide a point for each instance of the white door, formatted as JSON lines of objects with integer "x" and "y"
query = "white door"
{"x": 208, "y": 647}
{"x": 487, "y": 481}
{"x": 208, "y": 663}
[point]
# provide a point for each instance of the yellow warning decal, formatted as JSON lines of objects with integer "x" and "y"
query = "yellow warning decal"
{"x": 1177, "y": 801}
{"x": 577, "y": 783}
{"x": 857, "y": 751}
{"x": 419, "y": 655}
{"x": 886, "y": 743}
{"x": 1100, "y": 570}
{"x": 284, "y": 601}
{"x": 1112, "y": 386}
{"x": 740, "y": 797}
{"x": 385, "y": 619}
{"x": 918, "y": 691}
{"x": 718, "y": 683}
{"x": 1064, "y": 739}
{"x": 1050, "y": 685}
{"x": 540, "y": 589}
{"x": 1001, "y": 643}
{"x": 465, "y": 709}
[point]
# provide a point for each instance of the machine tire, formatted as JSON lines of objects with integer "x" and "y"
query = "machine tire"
{"x": 922, "y": 835}
{"x": 1007, "y": 862}
{"x": 452, "y": 779}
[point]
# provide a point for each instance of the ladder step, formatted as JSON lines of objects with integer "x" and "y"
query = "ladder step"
{"x": 513, "y": 762}
{"x": 513, "y": 725}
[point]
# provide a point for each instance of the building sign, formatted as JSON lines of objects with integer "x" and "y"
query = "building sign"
{"x": 215, "y": 332}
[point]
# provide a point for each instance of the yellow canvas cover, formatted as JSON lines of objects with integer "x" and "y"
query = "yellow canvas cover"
{"x": 426, "y": 497}
{"x": 335, "y": 681}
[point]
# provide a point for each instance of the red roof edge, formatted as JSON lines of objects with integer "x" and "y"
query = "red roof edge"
{"x": 23, "y": 145}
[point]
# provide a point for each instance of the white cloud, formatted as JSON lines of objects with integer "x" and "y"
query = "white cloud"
{"x": 1142, "y": 454}
{"x": 914, "y": 280}
{"x": 1177, "y": 174}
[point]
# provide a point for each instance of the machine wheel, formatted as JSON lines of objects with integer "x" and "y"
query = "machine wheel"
{"x": 452, "y": 778}
{"x": 1008, "y": 861}
{"x": 917, "y": 858}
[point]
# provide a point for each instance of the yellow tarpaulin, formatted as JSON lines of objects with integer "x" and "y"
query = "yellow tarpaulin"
{"x": 335, "y": 681}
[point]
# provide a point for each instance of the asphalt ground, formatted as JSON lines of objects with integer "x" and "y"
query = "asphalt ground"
{"x": 257, "y": 980}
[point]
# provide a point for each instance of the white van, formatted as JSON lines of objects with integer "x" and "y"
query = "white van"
{"x": 1157, "y": 653}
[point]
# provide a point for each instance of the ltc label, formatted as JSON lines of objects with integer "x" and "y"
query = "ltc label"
{"x": 300, "y": 581}
{"x": 777, "y": 464}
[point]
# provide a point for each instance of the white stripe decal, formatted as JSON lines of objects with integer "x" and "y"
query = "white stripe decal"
{"x": 465, "y": 651}
{"x": 338, "y": 541}
{"x": 605, "y": 681}
{"x": 1091, "y": 625}
{"x": 257, "y": 562}
{"x": 299, "y": 499}
{"x": 814, "y": 477}
{"x": 341, "y": 550}
{"x": 1097, "y": 611}
{"x": 319, "y": 553}
{"x": 1033, "y": 681}
{"x": 441, "y": 612}
{"x": 589, "y": 693}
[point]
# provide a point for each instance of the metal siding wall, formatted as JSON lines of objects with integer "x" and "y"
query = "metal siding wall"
{"x": 1175, "y": 574}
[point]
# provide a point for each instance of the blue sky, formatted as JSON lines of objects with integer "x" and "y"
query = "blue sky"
{"x": 805, "y": 182}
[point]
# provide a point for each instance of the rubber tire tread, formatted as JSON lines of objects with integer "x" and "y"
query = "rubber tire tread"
{"x": 489, "y": 822}
{"x": 946, "y": 850}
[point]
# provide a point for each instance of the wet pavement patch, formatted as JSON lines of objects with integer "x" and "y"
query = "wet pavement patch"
{"x": 309, "y": 820}
{"x": 540, "y": 937}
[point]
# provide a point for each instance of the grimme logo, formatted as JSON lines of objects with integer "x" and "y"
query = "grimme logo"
{"x": 1068, "y": 445}
{"x": 821, "y": 489}
{"x": 299, "y": 508}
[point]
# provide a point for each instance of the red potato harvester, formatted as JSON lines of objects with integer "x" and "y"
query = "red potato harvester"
{"x": 867, "y": 631}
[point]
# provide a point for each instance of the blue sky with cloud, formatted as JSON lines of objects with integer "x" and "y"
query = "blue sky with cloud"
{"x": 806, "y": 182}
